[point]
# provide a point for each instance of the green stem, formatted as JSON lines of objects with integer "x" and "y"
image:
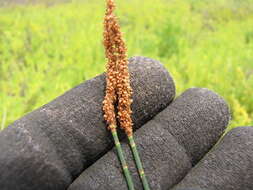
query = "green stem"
{"x": 122, "y": 160}
{"x": 138, "y": 163}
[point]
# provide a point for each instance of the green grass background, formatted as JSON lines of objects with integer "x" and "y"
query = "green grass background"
{"x": 46, "y": 49}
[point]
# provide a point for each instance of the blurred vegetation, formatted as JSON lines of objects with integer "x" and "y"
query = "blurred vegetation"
{"x": 47, "y": 49}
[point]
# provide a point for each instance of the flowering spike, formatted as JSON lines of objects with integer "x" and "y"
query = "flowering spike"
{"x": 111, "y": 52}
{"x": 118, "y": 90}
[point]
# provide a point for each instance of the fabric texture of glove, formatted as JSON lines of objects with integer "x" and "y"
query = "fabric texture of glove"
{"x": 228, "y": 166}
{"x": 51, "y": 146}
{"x": 169, "y": 144}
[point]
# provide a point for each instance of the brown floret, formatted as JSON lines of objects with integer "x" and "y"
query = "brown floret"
{"x": 111, "y": 83}
{"x": 118, "y": 81}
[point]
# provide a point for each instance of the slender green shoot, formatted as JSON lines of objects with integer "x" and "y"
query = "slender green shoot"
{"x": 122, "y": 160}
{"x": 138, "y": 163}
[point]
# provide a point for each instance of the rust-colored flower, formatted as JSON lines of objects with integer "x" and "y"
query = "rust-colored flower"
{"x": 118, "y": 89}
{"x": 111, "y": 82}
{"x": 124, "y": 90}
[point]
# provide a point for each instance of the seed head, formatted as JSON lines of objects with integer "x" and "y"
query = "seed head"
{"x": 118, "y": 80}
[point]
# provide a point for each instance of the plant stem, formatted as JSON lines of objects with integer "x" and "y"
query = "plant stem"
{"x": 122, "y": 159}
{"x": 138, "y": 163}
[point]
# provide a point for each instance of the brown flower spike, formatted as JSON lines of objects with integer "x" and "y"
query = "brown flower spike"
{"x": 118, "y": 88}
{"x": 111, "y": 82}
{"x": 119, "y": 91}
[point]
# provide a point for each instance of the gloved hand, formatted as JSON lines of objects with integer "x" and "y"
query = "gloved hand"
{"x": 65, "y": 144}
{"x": 228, "y": 166}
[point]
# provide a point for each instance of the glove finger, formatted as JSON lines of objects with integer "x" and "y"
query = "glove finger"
{"x": 49, "y": 147}
{"x": 228, "y": 166}
{"x": 169, "y": 144}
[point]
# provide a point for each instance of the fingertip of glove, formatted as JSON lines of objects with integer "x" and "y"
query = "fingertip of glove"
{"x": 156, "y": 69}
{"x": 242, "y": 130}
{"x": 210, "y": 97}
{"x": 197, "y": 118}
{"x": 155, "y": 86}
{"x": 239, "y": 136}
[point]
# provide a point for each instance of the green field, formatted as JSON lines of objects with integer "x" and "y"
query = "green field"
{"x": 46, "y": 50}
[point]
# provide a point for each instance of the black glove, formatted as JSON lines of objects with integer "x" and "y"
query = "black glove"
{"x": 228, "y": 166}
{"x": 50, "y": 147}
{"x": 169, "y": 144}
